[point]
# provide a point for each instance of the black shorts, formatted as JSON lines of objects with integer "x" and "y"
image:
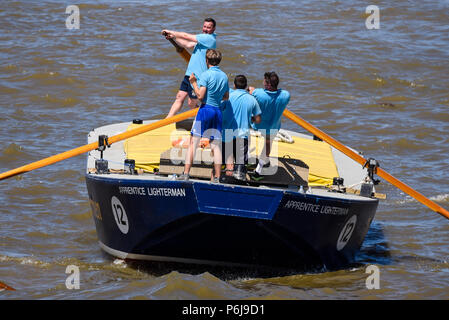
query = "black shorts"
{"x": 187, "y": 87}
{"x": 241, "y": 155}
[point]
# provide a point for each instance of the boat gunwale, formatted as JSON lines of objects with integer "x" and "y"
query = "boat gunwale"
{"x": 317, "y": 192}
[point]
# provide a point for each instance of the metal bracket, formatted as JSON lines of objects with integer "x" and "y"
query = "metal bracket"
{"x": 372, "y": 164}
{"x": 102, "y": 144}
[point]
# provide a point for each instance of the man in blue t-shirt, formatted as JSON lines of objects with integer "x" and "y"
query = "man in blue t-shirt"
{"x": 197, "y": 64}
{"x": 211, "y": 89}
{"x": 272, "y": 102}
{"x": 239, "y": 112}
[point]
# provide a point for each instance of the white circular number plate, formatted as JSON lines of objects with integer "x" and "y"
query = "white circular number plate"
{"x": 346, "y": 233}
{"x": 119, "y": 214}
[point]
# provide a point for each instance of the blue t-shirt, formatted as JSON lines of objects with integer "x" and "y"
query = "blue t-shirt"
{"x": 216, "y": 82}
{"x": 237, "y": 113}
{"x": 272, "y": 104}
{"x": 197, "y": 64}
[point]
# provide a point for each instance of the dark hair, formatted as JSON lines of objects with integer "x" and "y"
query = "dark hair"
{"x": 210, "y": 20}
{"x": 213, "y": 57}
{"x": 240, "y": 81}
{"x": 272, "y": 78}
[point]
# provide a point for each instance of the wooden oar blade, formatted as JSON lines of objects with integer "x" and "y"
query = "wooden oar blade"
{"x": 4, "y": 286}
{"x": 185, "y": 55}
{"x": 356, "y": 157}
{"x": 94, "y": 145}
{"x": 182, "y": 51}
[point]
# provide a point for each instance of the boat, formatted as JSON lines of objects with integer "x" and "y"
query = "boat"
{"x": 312, "y": 212}
{"x": 299, "y": 218}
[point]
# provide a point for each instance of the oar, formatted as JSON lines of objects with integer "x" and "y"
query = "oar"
{"x": 94, "y": 145}
{"x": 356, "y": 157}
{"x": 4, "y": 286}
{"x": 182, "y": 51}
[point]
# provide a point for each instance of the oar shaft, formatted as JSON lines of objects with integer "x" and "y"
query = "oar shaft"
{"x": 323, "y": 136}
{"x": 356, "y": 157}
{"x": 94, "y": 145}
{"x": 182, "y": 51}
{"x": 413, "y": 193}
{"x": 49, "y": 160}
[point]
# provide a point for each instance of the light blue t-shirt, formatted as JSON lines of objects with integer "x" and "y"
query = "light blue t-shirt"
{"x": 272, "y": 104}
{"x": 197, "y": 64}
{"x": 216, "y": 82}
{"x": 237, "y": 113}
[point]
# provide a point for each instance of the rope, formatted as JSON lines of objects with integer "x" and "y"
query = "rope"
{"x": 281, "y": 135}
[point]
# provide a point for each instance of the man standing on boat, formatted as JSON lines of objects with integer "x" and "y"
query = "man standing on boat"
{"x": 272, "y": 102}
{"x": 197, "y": 64}
{"x": 211, "y": 89}
{"x": 239, "y": 112}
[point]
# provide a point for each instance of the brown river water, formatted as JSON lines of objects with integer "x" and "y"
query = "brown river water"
{"x": 382, "y": 91}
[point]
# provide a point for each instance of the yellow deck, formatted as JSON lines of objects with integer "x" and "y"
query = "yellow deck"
{"x": 146, "y": 149}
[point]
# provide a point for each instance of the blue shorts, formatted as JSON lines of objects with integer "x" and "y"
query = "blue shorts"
{"x": 187, "y": 87}
{"x": 207, "y": 123}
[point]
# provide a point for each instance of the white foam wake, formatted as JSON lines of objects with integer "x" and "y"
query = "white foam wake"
{"x": 440, "y": 198}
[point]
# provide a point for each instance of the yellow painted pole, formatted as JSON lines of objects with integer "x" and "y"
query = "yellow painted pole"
{"x": 94, "y": 145}
{"x": 356, "y": 157}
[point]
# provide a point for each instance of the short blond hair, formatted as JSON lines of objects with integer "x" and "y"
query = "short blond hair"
{"x": 213, "y": 57}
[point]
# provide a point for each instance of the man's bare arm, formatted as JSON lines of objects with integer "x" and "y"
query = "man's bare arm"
{"x": 200, "y": 92}
{"x": 184, "y": 39}
{"x": 186, "y": 44}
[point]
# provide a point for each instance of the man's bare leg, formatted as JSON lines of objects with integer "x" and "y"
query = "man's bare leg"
{"x": 268, "y": 144}
{"x": 216, "y": 149}
{"x": 193, "y": 103}
{"x": 194, "y": 142}
{"x": 229, "y": 165}
{"x": 264, "y": 157}
{"x": 177, "y": 105}
{"x": 229, "y": 159}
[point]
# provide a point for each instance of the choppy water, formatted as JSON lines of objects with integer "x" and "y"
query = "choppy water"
{"x": 384, "y": 92}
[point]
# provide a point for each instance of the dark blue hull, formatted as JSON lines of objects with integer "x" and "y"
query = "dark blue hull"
{"x": 203, "y": 223}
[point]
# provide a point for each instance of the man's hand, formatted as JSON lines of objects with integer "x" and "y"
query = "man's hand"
{"x": 185, "y": 40}
{"x": 200, "y": 92}
{"x": 256, "y": 119}
{"x": 168, "y": 34}
{"x": 251, "y": 89}
{"x": 192, "y": 78}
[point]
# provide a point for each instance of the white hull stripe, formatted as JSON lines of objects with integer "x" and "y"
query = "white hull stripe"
{"x": 133, "y": 256}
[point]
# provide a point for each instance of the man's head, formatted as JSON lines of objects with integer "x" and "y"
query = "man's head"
{"x": 240, "y": 82}
{"x": 271, "y": 81}
{"x": 209, "y": 25}
{"x": 213, "y": 57}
